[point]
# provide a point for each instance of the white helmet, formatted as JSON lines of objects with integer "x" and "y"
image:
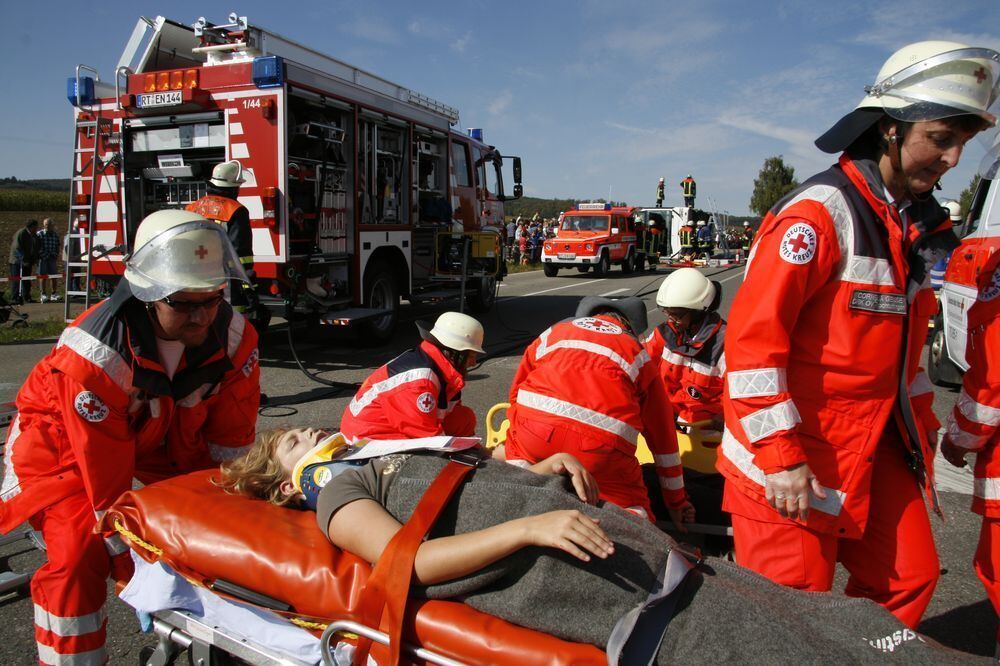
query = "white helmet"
{"x": 686, "y": 288}
{"x": 228, "y": 174}
{"x": 458, "y": 331}
{"x": 923, "y": 81}
{"x": 701, "y": 223}
{"x": 746, "y": 223}
{"x": 176, "y": 250}
{"x": 954, "y": 210}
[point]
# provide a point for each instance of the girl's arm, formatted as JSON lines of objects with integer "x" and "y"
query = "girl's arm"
{"x": 365, "y": 528}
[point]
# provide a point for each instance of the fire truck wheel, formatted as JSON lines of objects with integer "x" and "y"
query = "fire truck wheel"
{"x": 603, "y": 265}
{"x": 628, "y": 266}
{"x": 381, "y": 293}
{"x": 551, "y": 270}
{"x": 583, "y": 269}
{"x": 482, "y": 295}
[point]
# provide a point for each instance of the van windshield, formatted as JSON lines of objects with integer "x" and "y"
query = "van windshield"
{"x": 585, "y": 223}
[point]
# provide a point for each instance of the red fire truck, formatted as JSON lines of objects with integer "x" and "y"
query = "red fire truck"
{"x": 360, "y": 191}
{"x": 596, "y": 235}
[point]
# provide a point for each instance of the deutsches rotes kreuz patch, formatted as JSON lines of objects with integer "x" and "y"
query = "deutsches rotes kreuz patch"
{"x": 992, "y": 290}
{"x": 598, "y": 325}
{"x": 798, "y": 246}
{"x": 90, "y": 407}
{"x": 426, "y": 402}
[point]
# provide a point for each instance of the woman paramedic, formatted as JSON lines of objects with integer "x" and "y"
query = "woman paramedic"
{"x": 528, "y": 547}
{"x": 829, "y": 429}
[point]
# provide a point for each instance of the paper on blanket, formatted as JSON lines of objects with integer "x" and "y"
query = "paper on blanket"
{"x": 371, "y": 448}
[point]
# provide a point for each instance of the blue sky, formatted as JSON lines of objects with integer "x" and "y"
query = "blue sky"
{"x": 595, "y": 96}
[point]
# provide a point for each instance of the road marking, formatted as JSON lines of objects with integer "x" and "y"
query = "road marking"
{"x": 731, "y": 277}
{"x": 545, "y": 291}
{"x": 616, "y": 291}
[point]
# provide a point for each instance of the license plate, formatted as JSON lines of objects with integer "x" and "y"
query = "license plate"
{"x": 567, "y": 255}
{"x": 151, "y": 100}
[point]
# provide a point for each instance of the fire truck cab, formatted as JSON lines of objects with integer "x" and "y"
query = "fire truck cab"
{"x": 596, "y": 235}
{"x": 360, "y": 191}
{"x": 980, "y": 234}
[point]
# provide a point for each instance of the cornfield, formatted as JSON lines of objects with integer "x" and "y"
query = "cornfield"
{"x": 11, "y": 200}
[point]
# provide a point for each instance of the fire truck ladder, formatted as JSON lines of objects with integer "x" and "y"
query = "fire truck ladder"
{"x": 105, "y": 139}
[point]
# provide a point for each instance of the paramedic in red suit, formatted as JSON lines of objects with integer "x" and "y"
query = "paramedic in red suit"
{"x": 829, "y": 429}
{"x": 158, "y": 380}
{"x": 687, "y": 347}
{"x": 974, "y": 425}
{"x": 586, "y": 387}
{"x": 419, "y": 393}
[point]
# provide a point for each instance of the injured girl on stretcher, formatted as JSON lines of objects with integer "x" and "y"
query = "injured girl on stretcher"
{"x": 531, "y": 547}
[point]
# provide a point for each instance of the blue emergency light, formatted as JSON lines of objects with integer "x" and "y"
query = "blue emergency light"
{"x": 268, "y": 72}
{"x": 476, "y": 133}
{"x": 86, "y": 94}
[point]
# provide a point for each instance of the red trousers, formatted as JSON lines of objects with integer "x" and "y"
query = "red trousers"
{"x": 618, "y": 473}
{"x": 987, "y": 561}
{"x": 894, "y": 563}
{"x": 70, "y": 588}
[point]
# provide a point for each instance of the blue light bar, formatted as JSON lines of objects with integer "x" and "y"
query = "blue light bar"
{"x": 476, "y": 133}
{"x": 86, "y": 96}
{"x": 268, "y": 72}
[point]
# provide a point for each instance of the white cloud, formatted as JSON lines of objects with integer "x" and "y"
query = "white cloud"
{"x": 372, "y": 29}
{"x": 630, "y": 129}
{"x": 459, "y": 45}
{"x": 499, "y": 105}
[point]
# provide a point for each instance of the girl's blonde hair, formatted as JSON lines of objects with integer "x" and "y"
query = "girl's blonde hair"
{"x": 258, "y": 473}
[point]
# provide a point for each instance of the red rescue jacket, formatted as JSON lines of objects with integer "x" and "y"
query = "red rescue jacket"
{"x": 417, "y": 394}
{"x": 99, "y": 409}
{"x": 691, "y": 367}
{"x": 590, "y": 376}
{"x": 824, "y": 341}
{"x": 975, "y": 422}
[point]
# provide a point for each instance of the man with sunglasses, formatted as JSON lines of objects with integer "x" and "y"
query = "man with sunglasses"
{"x": 158, "y": 380}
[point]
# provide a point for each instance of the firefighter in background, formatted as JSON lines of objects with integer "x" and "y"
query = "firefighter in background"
{"x": 974, "y": 425}
{"x": 938, "y": 270}
{"x": 829, "y": 428}
{"x": 689, "y": 189}
{"x": 706, "y": 238}
{"x": 419, "y": 393}
{"x": 586, "y": 387}
{"x": 747, "y": 238}
{"x": 686, "y": 236}
{"x": 659, "y": 194}
{"x": 221, "y": 205}
{"x": 687, "y": 347}
{"x": 158, "y": 380}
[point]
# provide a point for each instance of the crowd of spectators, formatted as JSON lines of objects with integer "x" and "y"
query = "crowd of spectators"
{"x": 524, "y": 238}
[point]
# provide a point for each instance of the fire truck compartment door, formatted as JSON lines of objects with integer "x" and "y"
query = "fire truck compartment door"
{"x": 162, "y": 41}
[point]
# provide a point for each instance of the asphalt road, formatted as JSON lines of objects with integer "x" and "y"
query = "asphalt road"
{"x": 959, "y": 615}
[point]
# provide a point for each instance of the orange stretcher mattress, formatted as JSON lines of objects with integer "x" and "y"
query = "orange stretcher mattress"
{"x": 206, "y": 534}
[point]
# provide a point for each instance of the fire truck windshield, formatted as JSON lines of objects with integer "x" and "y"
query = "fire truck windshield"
{"x": 585, "y": 223}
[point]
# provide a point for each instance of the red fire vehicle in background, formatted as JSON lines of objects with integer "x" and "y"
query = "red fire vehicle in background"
{"x": 596, "y": 235}
{"x": 360, "y": 191}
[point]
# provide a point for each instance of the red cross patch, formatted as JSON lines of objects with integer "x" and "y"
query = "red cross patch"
{"x": 90, "y": 407}
{"x": 798, "y": 245}
{"x": 598, "y": 326}
{"x": 980, "y": 74}
{"x": 991, "y": 290}
{"x": 426, "y": 403}
{"x": 201, "y": 252}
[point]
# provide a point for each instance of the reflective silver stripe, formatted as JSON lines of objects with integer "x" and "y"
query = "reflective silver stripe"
{"x": 48, "y": 655}
{"x": 758, "y": 383}
{"x": 869, "y": 270}
{"x": 11, "y": 484}
{"x": 194, "y": 397}
{"x": 688, "y": 362}
{"x": 80, "y": 625}
{"x": 963, "y": 439}
{"x": 921, "y": 385}
{"x": 114, "y": 545}
{"x": 976, "y": 411}
{"x": 738, "y": 454}
{"x": 987, "y": 488}
{"x": 767, "y": 421}
{"x": 378, "y": 388}
{"x": 631, "y": 369}
{"x": 556, "y": 407}
{"x": 237, "y": 325}
{"x": 672, "y": 482}
{"x": 98, "y": 353}
{"x": 223, "y": 453}
{"x": 667, "y": 460}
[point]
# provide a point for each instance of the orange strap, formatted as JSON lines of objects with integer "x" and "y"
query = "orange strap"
{"x": 384, "y": 598}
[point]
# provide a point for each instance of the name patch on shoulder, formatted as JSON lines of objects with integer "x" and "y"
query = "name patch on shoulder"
{"x": 876, "y": 301}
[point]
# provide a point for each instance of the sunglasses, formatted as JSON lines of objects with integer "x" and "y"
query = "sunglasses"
{"x": 187, "y": 307}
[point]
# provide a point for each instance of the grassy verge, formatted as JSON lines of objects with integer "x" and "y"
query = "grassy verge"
{"x": 518, "y": 268}
{"x": 30, "y": 330}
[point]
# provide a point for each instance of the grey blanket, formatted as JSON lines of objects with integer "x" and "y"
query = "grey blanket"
{"x": 724, "y": 612}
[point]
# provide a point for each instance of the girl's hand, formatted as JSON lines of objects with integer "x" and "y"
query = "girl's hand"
{"x": 583, "y": 481}
{"x": 569, "y": 530}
